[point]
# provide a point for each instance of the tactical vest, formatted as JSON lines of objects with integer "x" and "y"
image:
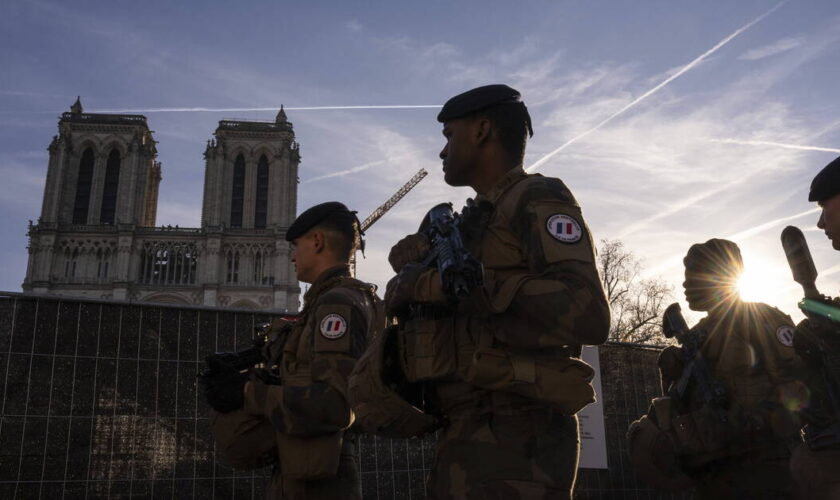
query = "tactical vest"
{"x": 384, "y": 402}
{"x": 437, "y": 344}
{"x": 314, "y": 457}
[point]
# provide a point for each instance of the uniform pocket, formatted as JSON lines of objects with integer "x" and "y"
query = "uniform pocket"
{"x": 563, "y": 383}
{"x": 427, "y": 348}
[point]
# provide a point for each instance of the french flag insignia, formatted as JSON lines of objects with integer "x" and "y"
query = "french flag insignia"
{"x": 333, "y": 326}
{"x": 564, "y": 228}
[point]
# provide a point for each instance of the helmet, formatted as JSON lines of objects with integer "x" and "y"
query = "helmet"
{"x": 653, "y": 456}
{"x": 381, "y": 396}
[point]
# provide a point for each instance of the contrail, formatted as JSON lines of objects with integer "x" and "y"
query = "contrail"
{"x": 767, "y": 225}
{"x": 800, "y": 147}
{"x": 655, "y": 89}
{"x": 359, "y": 168}
{"x": 271, "y": 108}
{"x": 345, "y": 172}
{"x": 677, "y": 259}
{"x": 680, "y": 205}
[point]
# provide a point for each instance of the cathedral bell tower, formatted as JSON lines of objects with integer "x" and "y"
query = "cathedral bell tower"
{"x": 102, "y": 183}
{"x": 102, "y": 170}
{"x": 250, "y": 180}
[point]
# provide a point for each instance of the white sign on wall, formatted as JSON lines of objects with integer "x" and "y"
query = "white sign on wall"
{"x": 593, "y": 436}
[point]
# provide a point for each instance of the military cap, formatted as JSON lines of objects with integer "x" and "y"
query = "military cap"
{"x": 718, "y": 256}
{"x": 827, "y": 183}
{"x": 481, "y": 98}
{"x": 317, "y": 214}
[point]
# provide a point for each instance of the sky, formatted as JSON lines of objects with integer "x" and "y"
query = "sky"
{"x": 671, "y": 121}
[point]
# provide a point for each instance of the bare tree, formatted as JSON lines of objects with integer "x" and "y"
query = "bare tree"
{"x": 636, "y": 304}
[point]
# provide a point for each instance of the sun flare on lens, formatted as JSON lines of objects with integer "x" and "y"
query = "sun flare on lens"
{"x": 758, "y": 283}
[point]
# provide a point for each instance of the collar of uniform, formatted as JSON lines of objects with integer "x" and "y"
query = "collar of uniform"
{"x": 510, "y": 178}
{"x": 324, "y": 279}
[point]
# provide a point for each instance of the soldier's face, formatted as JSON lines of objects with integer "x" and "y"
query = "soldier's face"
{"x": 706, "y": 290}
{"x": 303, "y": 257}
{"x": 458, "y": 154}
{"x": 830, "y": 220}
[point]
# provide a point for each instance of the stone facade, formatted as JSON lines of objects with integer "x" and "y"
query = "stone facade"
{"x": 96, "y": 236}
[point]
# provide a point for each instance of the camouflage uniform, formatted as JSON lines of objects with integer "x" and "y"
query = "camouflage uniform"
{"x": 749, "y": 351}
{"x": 816, "y": 462}
{"x": 510, "y": 393}
{"x": 306, "y": 420}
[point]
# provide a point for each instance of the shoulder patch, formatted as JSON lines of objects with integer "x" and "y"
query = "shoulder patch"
{"x": 333, "y": 326}
{"x": 564, "y": 228}
{"x": 784, "y": 334}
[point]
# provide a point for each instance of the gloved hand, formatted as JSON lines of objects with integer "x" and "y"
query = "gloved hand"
{"x": 224, "y": 389}
{"x": 412, "y": 248}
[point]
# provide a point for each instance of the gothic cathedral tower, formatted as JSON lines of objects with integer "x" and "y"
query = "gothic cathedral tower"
{"x": 96, "y": 236}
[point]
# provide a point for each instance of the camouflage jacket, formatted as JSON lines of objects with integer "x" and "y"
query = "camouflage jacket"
{"x": 541, "y": 300}
{"x": 749, "y": 351}
{"x": 315, "y": 356}
{"x": 542, "y": 288}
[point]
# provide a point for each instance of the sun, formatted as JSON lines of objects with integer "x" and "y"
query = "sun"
{"x": 759, "y": 282}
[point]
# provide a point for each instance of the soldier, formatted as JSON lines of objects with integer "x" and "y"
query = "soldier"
{"x": 301, "y": 418}
{"x": 502, "y": 366}
{"x": 730, "y": 436}
{"x": 816, "y": 462}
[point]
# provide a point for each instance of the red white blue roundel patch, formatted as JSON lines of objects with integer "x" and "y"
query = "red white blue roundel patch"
{"x": 333, "y": 326}
{"x": 785, "y": 335}
{"x": 564, "y": 228}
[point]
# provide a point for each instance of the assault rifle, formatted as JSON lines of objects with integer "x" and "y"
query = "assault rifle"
{"x": 234, "y": 362}
{"x": 819, "y": 308}
{"x": 695, "y": 369}
{"x": 460, "y": 272}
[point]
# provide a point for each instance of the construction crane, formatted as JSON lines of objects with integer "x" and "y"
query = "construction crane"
{"x": 383, "y": 209}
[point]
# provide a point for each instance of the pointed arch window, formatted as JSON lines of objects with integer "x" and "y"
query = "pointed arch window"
{"x": 261, "y": 204}
{"x": 83, "y": 182}
{"x": 109, "y": 190}
{"x": 237, "y": 198}
{"x": 232, "y": 267}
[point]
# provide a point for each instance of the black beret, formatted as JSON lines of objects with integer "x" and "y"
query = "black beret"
{"x": 827, "y": 183}
{"x": 481, "y": 98}
{"x": 315, "y": 215}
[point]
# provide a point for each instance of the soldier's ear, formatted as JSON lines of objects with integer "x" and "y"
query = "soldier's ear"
{"x": 318, "y": 241}
{"x": 483, "y": 130}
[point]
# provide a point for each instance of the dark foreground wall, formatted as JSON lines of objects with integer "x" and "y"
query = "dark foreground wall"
{"x": 99, "y": 400}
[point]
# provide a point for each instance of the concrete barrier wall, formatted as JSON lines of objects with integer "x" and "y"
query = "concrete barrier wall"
{"x": 100, "y": 400}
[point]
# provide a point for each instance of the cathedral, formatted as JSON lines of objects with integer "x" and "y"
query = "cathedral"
{"x": 96, "y": 236}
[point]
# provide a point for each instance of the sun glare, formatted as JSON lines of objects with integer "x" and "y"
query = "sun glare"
{"x": 759, "y": 282}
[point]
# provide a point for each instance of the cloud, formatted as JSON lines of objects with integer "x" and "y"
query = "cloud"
{"x": 682, "y": 71}
{"x": 772, "y": 49}
{"x": 354, "y": 26}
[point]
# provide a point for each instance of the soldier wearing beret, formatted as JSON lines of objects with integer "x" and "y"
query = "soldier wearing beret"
{"x": 300, "y": 419}
{"x": 502, "y": 366}
{"x": 816, "y": 462}
{"x": 728, "y": 431}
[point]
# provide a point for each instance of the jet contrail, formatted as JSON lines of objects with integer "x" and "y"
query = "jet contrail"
{"x": 800, "y": 147}
{"x": 345, "y": 172}
{"x": 271, "y": 108}
{"x": 650, "y": 92}
{"x": 767, "y": 225}
{"x": 746, "y": 233}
